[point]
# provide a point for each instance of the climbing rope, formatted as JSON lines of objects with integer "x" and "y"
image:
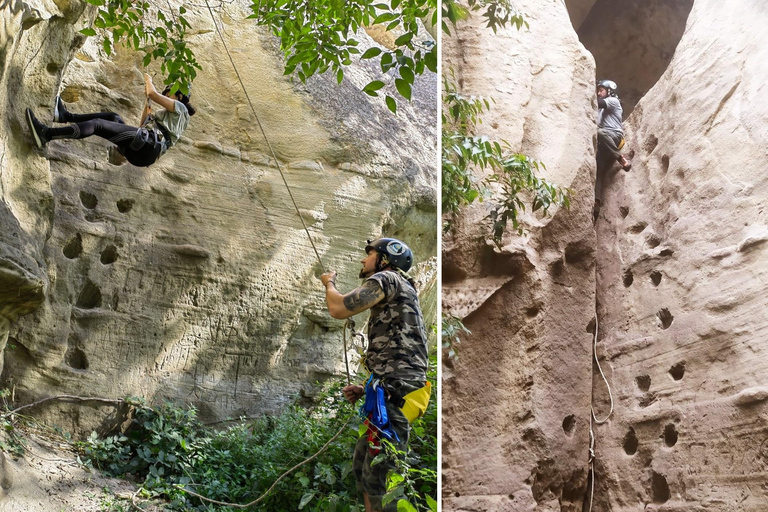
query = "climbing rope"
{"x": 279, "y": 168}
{"x": 594, "y": 418}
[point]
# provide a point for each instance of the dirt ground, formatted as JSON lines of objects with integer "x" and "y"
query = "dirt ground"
{"x": 49, "y": 478}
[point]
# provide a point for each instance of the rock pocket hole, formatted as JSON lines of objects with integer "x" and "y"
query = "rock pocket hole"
{"x": 89, "y": 200}
{"x": 655, "y": 277}
{"x": 630, "y": 442}
{"x": 659, "y": 488}
{"x": 650, "y": 143}
{"x": 665, "y": 317}
{"x": 532, "y": 312}
{"x": 643, "y": 382}
{"x": 652, "y": 241}
{"x": 125, "y": 205}
{"x": 109, "y": 255}
{"x": 670, "y": 435}
{"x": 76, "y": 358}
{"x": 90, "y": 297}
{"x": 628, "y": 278}
{"x": 74, "y": 247}
{"x": 624, "y": 211}
{"x": 664, "y": 164}
{"x": 569, "y": 425}
{"x": 591, "y": 327}
{"x": 677, "y": 371}
{"x": 666, "y": 252}
{"x": 637, "y": 227}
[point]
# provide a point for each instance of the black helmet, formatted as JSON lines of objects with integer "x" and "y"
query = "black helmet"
{"x": 610, "y": 86}
{"x": 398, "y": 254}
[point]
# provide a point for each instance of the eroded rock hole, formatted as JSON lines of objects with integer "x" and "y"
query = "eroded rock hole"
{"x": 652, "y": 241}
{"x": 656, "y": 277}
{"x": 76, "y": 358}
{"x": 650, "y": 143}
{"x": 643, "y": 382}
{"x": 666, "y": 252}
{"x": 665, "y": 317}
{"x": 90, "y": 296}
{"x": 670, "y": 435}
{"x": 74, "y": 247}
{"x": 664, "y": 164}
{"x": 632, "y": 42}
{"x": 577, "y": 251}
{"x": 591, "y": 327}
{"x": 569, "y": 425}
{"x": 628, "y": 278}
{"x": 624, "y": 210}
{"x": 125, "y": 205}
{"x": 630, "y": 442}
{"x": 677, "y": 371}
{"x": 109, "y": 255}
{"x": 638, "y": 227}
{"x": 532, "y": 311}
{"x": 89, "y": 200}
{"x": 659, "y": 488}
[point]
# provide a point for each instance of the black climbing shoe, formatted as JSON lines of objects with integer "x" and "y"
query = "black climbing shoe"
{"x": 60, "y": 114}
{"x": 39, "y": 130}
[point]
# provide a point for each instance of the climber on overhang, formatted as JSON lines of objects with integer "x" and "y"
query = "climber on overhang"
{"x": 140, "y": 146}
{"x": 610, "y": 132}
{"x": 397, "y": 391}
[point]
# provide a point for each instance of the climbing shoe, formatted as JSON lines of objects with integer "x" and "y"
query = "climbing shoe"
{"x": 60, "y": 114}
{"x": 39, "y": 130}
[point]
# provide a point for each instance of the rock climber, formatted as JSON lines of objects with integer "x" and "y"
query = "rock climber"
{"x": 396, "y": 358}
{"x": 610, "y": 132}
{"x": 140, "y": 146}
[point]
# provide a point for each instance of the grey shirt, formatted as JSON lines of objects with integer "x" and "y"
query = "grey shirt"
{"x": 175, "y": 122}
{"x": 609, "y": 117}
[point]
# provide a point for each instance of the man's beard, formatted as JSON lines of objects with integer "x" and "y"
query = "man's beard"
{"x": 365, "y": 275}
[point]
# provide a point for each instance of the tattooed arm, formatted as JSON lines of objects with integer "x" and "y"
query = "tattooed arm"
{"x": 358, "y": 300}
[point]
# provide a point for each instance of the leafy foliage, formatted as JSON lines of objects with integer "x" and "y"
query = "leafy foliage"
{"x": 463, "y": 150}
{"x": 169, "y": 447}
{"x": 150, "y": 30}
{"x": 319, "y": 36}
{"x": 452, "y": 327}
{"x": 498, "y": 12}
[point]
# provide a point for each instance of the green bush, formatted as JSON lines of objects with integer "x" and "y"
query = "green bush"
{"x": 167, "y": 448}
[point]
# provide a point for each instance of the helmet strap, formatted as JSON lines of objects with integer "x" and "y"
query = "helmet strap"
{"x": 382, "y": 261}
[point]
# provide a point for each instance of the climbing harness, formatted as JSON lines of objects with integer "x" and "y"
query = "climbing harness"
{"x": 277, "y": 162}
{"x": 594, "y": 419}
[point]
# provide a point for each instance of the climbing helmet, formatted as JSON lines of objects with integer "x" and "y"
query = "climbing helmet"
{"x": 398, "y": 254}
{"x": 610, "y": 86}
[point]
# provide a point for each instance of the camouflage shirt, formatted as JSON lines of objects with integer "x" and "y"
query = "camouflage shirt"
{"x": 397, "y": 338}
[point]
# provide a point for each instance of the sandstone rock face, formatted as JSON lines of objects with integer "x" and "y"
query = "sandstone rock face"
{"x": 193, "y": 279}
{"x": 516, "y": 403}
{"x": 679, "y": 276}
{"x": 682, "y": 274}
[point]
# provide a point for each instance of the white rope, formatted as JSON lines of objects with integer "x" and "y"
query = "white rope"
{"x": 594, "y": 418}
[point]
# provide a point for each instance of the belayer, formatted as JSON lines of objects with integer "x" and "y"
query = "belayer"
{"x": 141, "y": 146}
{"x": 397, "y": 391}
{"x": 610, "y": 132}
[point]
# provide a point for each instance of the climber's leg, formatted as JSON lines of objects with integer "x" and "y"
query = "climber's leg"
{"x": 117, "y": 132}
{"x": 62, "y": 115}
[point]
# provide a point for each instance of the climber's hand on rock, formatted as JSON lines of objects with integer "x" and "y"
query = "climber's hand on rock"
{"x": 328, "y": 277}
{"x": 353, "y": 393}
{"x": 149, "y": 87}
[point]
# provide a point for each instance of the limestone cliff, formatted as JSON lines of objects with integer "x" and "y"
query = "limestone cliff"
{"x": 193, "y": 279}
{"x": 676, "y": 266}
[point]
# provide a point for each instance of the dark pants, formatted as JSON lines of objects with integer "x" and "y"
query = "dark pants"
{"x": 111, "y": 127}
{"x": 608, "y": 142}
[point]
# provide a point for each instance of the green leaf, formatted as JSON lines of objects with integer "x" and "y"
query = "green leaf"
{"x": 371, "y": 53}
{"x": 96, "y": 2}
{"x": 407, "y": 75}
{"x": 403, "y": 87}
{"x": 404, "y": 506}
{"x": 339, "y": 75}
{"x": 372, "y": 87}
{"x": 88, "y": 32}
{"x": 431, "y": 503}
{"x": 404, "y": 39}
{"x": 306, "y": 499}
{"x": 391, "y": 104}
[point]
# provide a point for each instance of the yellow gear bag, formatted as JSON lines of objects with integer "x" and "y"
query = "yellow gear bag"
{"x": 621, "y": 144}
{"x": 416, "y": 403}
